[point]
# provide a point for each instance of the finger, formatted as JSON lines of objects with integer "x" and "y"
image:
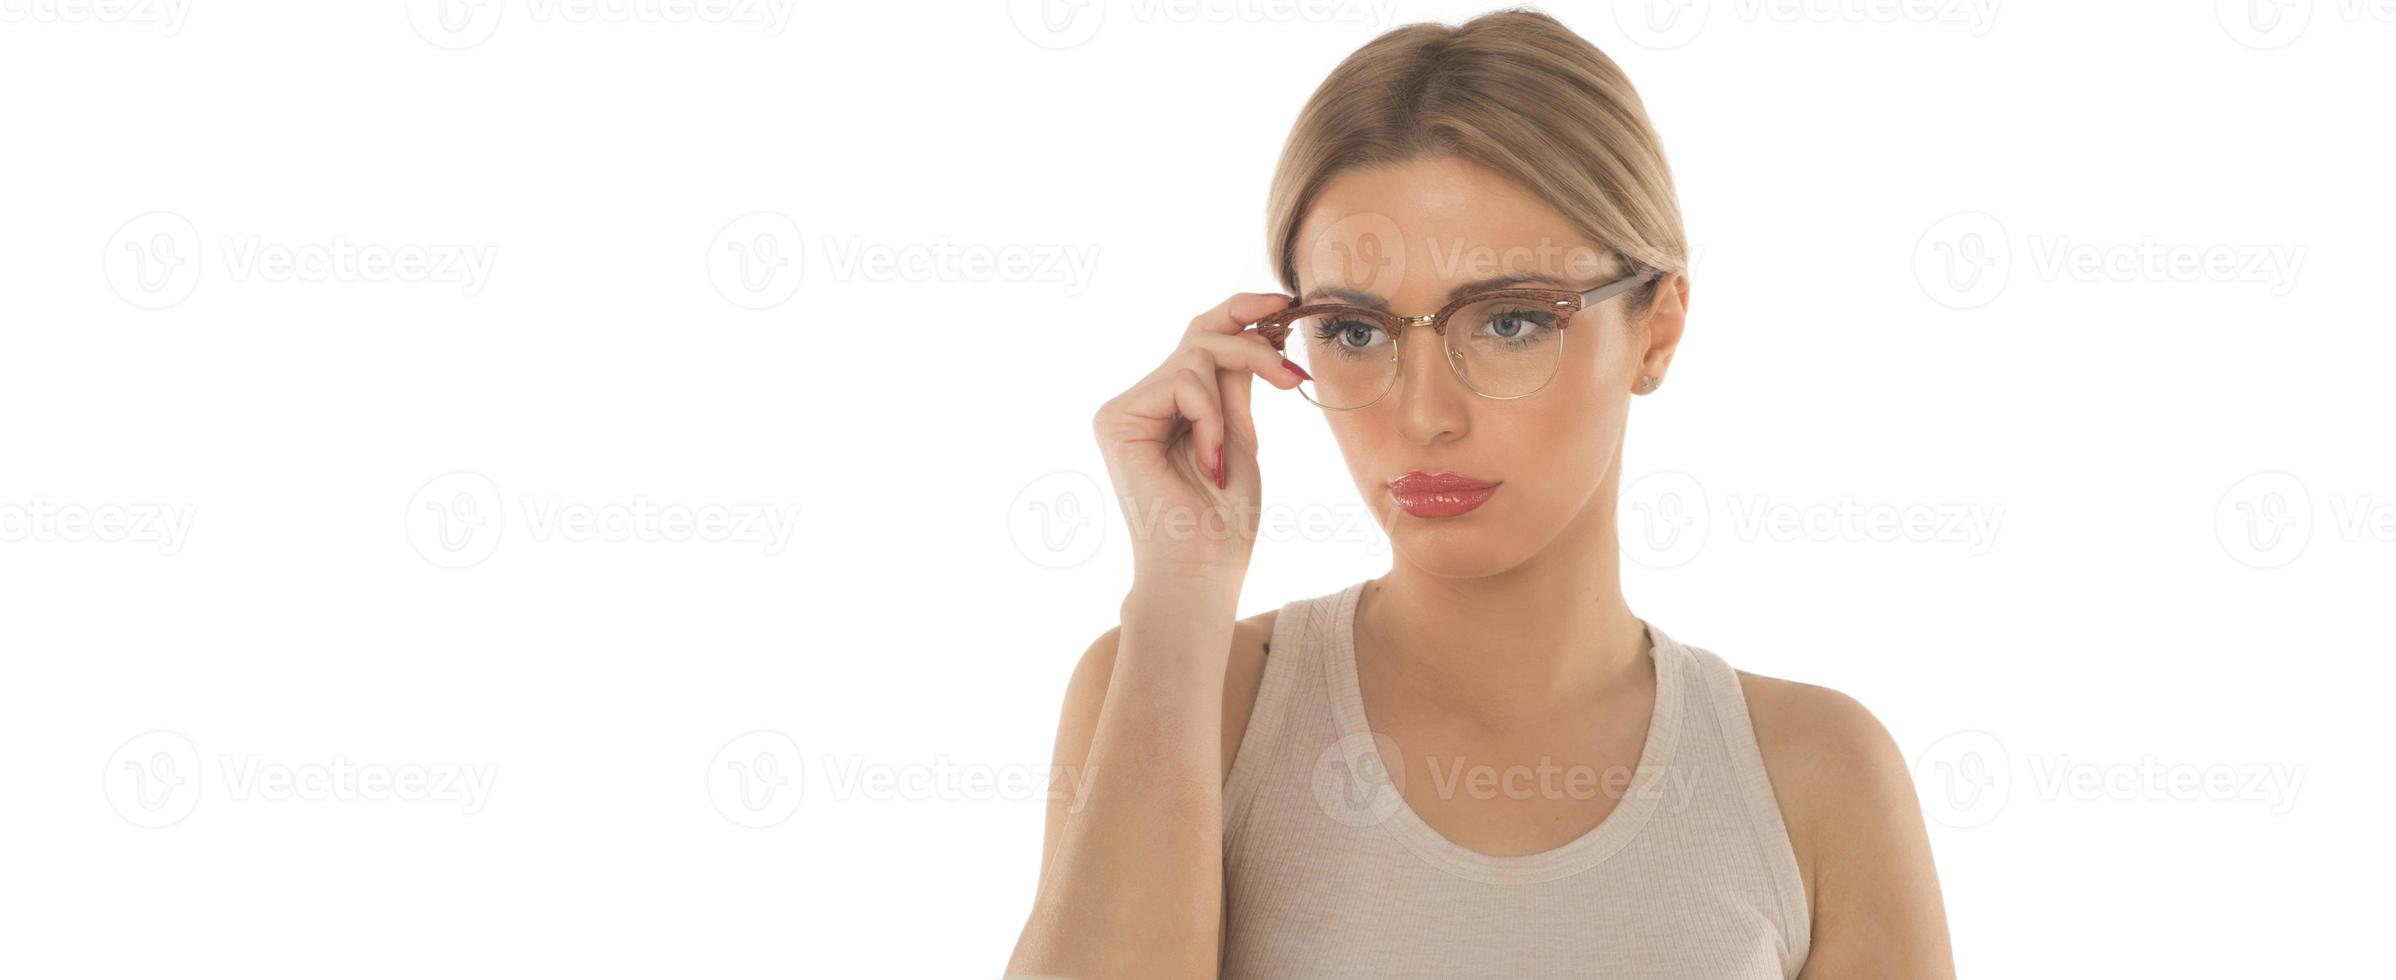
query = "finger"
{"x": 1236, "y": 313}
{"x": 1246, "y": 352}
{"x": 1197, "y": 398}
{"x": 1239, "y": 424}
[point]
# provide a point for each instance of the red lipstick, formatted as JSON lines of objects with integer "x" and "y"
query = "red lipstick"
{"x": 1439, "y": 494}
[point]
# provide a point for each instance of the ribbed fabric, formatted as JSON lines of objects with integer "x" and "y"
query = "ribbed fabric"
{"x": 1329, "y": 874}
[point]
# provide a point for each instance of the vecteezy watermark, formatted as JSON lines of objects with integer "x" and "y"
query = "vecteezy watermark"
{"x": 37, "y": 520}
{"x": 1359, "y": 780}
{"x": 943, "y": 780}
{"x": 2266, "y": 25}
{"x": 2266, "y": 519}
{"x": 1665, "y": 519}
{"x": 1368, "y": 254}
{"x": 756, "y": 780}
{"x": 1965, "y": 260}
{"x": 1059, "y": 520}
{"x": 757, "y": 261}
{"x": 855, "y": 259}
{"x": 456, "y": 25}
{"x": 1965, "y": 779}
{"x": 1666, "y": 24}
{"x": 168, "y": 16}
{"x": 155, "y": 260}
{"x": 155, "y": 780}
{"x": 1061, "y": 24}
{"x": 456, "y": 520}
{"x": 1456, "y": 260}
{"x": 338, "y": 780}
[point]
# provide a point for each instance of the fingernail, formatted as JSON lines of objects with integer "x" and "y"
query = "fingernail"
{"x": 1295, "y": 369}
{"x": 1222, "y": 481}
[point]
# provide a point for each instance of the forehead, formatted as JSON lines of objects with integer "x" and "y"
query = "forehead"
{"x": 1412, "y": 231}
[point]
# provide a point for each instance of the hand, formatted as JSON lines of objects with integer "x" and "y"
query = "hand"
{"x": 1180, "y": 445}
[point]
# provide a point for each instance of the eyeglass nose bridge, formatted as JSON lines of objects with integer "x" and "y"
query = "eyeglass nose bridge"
{"x": 1455, "y": 360}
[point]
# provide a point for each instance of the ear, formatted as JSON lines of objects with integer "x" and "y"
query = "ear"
{"x": 1666, "y": 317}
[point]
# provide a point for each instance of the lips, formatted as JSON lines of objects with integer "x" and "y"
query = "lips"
{"x": 1439, "y": 494}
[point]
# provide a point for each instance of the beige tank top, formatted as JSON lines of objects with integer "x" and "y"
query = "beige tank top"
{"x": 1329, "y": 873}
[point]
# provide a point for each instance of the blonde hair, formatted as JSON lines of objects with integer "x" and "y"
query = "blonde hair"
{"x": 1512, "y": 90}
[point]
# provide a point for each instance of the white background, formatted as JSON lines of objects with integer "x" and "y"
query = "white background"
{"x": 2144, "y": 604}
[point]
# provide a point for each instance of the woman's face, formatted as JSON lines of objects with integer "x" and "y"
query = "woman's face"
{"x": 1403, "y": 238}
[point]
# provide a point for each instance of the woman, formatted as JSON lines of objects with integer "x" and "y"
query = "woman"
{"x": 1481, "y": 763}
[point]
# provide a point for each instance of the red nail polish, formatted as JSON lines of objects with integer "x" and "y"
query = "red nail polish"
{"x": 1295, "y": 369}
{"x": 1222, "y": 480}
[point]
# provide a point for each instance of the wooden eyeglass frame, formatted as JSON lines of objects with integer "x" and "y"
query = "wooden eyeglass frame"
{"x": 1275, "y": 328}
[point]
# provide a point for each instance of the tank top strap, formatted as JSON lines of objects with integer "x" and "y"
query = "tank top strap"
{"x": 1724, "y": 699}
{"x": 1293, "y": 655}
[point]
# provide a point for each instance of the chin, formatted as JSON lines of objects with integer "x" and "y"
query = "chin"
{"x": 1455, "y": 547}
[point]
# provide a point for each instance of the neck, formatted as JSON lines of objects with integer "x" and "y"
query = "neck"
{"x": 1543, "y": 637}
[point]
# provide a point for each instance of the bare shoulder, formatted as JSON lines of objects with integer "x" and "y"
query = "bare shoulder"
{"x": 1846, "y": 795}
{"x": 1823, "y": 751}
{"x": 1818, "y": 736}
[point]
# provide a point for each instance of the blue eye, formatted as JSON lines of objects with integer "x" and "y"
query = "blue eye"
{"x": 1348, "y": 335}
{"x": 1517, "y": 327}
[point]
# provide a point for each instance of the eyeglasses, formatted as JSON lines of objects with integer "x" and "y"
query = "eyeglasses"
{"x": 1509, "y": 344}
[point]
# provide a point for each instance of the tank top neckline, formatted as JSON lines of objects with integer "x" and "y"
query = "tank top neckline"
{"x": 1638, "y": 804}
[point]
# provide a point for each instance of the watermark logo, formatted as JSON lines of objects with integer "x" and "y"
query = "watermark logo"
{"x": 2267, "y": 520}
{"x": 854, "y": 259}
{"x": 1057, "y": 24}
{"x": 1062, "y": 24}
{"x": 757, "y": 260}
{"x": 153, "y": 261}
{"x": 2264, "y": 520}
{"x": 153, "y": 780}
{"x": 1357, "y": 783}
{"x": 2263, "y": 24}
{"x": 168, "y": 16}
{"x": 943, "y": 780}
{"x": 454, "y": 25}
{"x": 466, "y": 786}
{"x": 756, "y": 780}
{"x": 1666, "y": 24}
{"x": 455, "y": 519}
{"x": 1962, "y": 260}
{"x": 1363, "y": 252}
{"x": 1965, "y": 778}
{"x": 1664, "y": 519}
{"x": 39, "y": 521}
{"x": 1058, "y": 520}
{"x": 1661, "y": 24}
{"x": 2268, "y": 25}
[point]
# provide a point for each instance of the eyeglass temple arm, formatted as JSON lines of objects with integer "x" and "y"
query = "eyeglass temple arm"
{"x": 1609, "y": 290}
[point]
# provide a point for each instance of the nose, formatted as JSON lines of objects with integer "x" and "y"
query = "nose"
{"x": 1431, "y": 401}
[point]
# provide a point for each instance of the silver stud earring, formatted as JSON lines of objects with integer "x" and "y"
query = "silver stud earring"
{"x": 1647, "y": 383}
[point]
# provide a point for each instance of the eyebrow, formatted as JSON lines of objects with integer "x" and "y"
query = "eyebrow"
{"x": 1355, "y": 298}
